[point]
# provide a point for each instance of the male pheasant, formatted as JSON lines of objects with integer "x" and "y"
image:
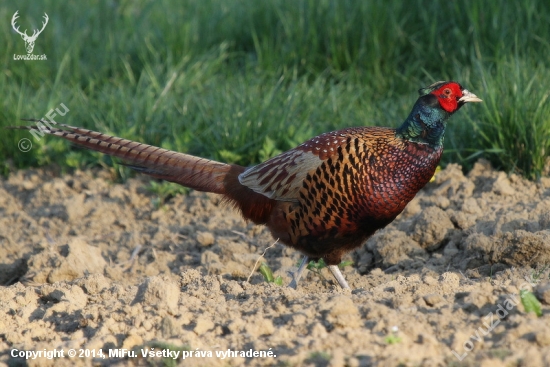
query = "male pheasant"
{"x": 324, "y": 197}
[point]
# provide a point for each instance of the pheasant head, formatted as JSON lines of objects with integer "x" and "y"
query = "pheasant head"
{"x": 427, "y": 121}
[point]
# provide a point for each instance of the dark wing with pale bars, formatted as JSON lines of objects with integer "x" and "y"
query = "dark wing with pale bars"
{"x": 282, "y": 177}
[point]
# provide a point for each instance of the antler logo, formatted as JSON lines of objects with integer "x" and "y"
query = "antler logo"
{"x": 29, "y": 40}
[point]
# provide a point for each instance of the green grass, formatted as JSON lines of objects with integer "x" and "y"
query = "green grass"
{"x": 392, "y": 339}
{"x": 267, "y": 273}
{"x": 164, "y": 191}
{"x": 240, "y": 81}
{"x": 530, "y": 302}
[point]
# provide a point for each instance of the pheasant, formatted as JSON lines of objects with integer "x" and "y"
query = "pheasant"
{"x": 324, "y": 197}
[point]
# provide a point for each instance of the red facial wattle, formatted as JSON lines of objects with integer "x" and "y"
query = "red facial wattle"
{"x": 448, "y": 96}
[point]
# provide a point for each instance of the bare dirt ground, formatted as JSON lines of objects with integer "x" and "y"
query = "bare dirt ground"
{"x": 91, "y": 265}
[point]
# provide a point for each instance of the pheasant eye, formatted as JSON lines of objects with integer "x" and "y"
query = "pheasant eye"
{"x": 447, "y": 91}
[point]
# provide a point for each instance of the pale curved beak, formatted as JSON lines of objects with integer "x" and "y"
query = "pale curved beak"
{"x": 468, "y": 96}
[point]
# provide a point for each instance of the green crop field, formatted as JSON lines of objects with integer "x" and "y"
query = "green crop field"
{"x": 240, "y": 81}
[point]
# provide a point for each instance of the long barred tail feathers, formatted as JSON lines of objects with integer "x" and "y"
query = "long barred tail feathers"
{"x": 194, "y": 172}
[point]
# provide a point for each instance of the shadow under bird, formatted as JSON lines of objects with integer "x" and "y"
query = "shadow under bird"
{"x": 324, "y": 197}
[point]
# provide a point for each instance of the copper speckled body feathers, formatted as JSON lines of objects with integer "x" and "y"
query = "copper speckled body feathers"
{"x": 362, "y": 179}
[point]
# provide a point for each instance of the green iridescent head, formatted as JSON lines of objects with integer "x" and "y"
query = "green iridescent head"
{"x": 437, "y": 102}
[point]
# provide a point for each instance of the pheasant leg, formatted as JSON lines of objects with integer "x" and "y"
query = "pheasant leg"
{"x": 335, "y": 270}
{"x": 298, "y": 273}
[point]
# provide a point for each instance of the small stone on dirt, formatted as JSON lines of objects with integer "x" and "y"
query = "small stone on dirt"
{"x": 543, "y": 293}
{"x": 205, "y": 238}
{"x": 203, "y": 325}
{"x": 433, "y": 299}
